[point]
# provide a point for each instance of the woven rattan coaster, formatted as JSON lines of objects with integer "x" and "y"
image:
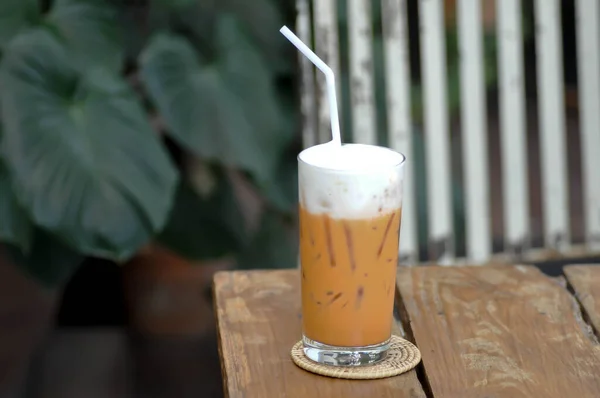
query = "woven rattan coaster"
{"x": 402, "y": 357}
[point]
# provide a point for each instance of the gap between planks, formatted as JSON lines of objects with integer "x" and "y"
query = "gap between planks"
{"x": 574, "y": 282}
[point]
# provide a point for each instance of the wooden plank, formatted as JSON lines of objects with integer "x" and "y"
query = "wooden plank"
{"x": 555, "y": 189}
{"x": 474, "y": 131}
{"x": 585, "y": 280}
{"x": 512, "y": 123}
{"x": 258, "y": 317}
{"x": 362, "y": 93}
{"x": 397, "y": 77}
{"x": 308, "y": 100}
{"x": 327, "y": 48}
{"x": 499, "y": 331}
{"x": 588, "y": 56}
{"x": 433, "y": 61}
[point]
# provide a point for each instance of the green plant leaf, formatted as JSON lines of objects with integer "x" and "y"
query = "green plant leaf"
{"x": 90, "y": 29}
{"x": 261, "y": 18}
{"x": 84, "y": 160}
{"x": 50, "y": 261}
{"x": 15, "y": 16}
{"x": 275, "y": 245}
{"x": 225, "y": 110}
{"x": 174, "y": 4}
{"x": 204, "y": 228}
{"x": 282, "y": 190}
{"x": 15, "y": 227}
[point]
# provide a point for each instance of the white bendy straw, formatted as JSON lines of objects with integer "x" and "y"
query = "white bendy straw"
{"x": 329, "y": 77}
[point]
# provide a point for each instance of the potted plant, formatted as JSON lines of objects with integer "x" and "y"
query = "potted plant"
{"x": 100, "y": 115}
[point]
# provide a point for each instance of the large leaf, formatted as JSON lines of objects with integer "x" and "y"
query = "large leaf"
{"x": 15, "y": 16}
{"x": 259, "y": 18}
{"x": 91, "y": 30}
{"x": 49, "y": 261}
{"x": 15, "y": 227}
{"x": 275, "y": 245}
{"x": 174, "y": 4}
{"x": 204, "y": 228}
{"x": 195, "y": 21}
{"x": 282, "y": 191}
{"x": 225, "y": 110}
{"x": 84, "y": 159}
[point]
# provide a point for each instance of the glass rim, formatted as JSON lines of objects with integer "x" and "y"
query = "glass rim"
{"x": 364, "y": 171}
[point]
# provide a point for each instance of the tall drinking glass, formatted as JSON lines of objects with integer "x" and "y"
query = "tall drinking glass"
{"x": 350, "y": 213}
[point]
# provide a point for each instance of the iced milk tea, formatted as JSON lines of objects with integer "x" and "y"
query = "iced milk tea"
{"x": 350, "y": 216}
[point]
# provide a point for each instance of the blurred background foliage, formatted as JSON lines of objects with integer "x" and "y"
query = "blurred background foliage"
{"x": 128, "y": 122}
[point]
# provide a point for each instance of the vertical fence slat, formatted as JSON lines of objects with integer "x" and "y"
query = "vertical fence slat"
{"x": 361, "y": 71}
{"x": 552, "y": 123}
{"x": 327, "y": 48}
{"x": 512, "y": 123}
{"x": 433, "y": 61}
{"x": 474, "y": 130}
{"x": 307, "y": 89}
{"x": 588, "y": 56}
{"x": 397, "y": 78}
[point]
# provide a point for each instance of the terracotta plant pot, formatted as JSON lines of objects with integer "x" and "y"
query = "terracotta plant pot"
{"x": 27, "y": 312}
{"x": 167, "y": 295}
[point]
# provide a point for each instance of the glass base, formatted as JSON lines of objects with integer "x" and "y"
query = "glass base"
{"x": 344, "y": 356}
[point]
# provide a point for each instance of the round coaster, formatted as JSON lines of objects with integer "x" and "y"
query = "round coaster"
{"x": 402, "y": 357}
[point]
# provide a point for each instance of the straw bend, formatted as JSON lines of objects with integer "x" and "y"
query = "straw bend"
{"x": 329, "y": 77}
{"x": 314, "y": 58}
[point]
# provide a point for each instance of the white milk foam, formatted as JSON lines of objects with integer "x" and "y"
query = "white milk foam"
{"x": 352, "y": 181}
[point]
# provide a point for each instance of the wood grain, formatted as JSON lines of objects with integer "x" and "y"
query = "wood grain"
{"x": 499, "y": 332}
{"x": 258, "y": 316}
{"x": 585, "y": 280}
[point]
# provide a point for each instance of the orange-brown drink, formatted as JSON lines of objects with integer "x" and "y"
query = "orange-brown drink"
{"x": 350, "y": 215}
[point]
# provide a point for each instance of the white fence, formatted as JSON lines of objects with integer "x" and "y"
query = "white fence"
{"x": 323, "y": 23}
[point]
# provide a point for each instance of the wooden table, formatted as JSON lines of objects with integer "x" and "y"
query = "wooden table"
{"x": 485, "y": 332}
